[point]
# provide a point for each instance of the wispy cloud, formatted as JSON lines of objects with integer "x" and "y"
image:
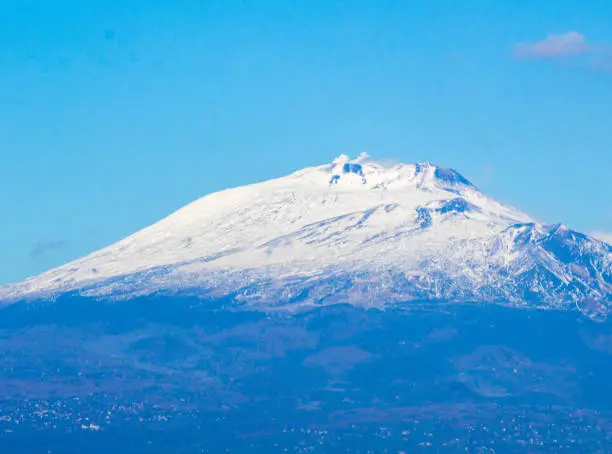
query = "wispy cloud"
{"x": 556, "y": 46}
{"x": 604, "y": 236}
{"x": 43, "y": 247}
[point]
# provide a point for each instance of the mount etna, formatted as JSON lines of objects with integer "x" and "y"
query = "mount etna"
{"x": 355, "y": 306}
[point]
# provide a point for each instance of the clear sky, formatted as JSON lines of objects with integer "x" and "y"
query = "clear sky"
{"x": 115, "y": 113}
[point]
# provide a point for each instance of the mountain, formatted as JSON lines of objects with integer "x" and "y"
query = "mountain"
{"x": 356, "y": 231}
{"x": 202, "y": 358}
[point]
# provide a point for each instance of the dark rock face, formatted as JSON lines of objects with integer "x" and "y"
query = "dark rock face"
{"x": 182, "y": 374}
{"x": 451, "y": 177}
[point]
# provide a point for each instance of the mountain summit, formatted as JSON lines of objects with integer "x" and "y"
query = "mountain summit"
{"x": 355, "y": 231}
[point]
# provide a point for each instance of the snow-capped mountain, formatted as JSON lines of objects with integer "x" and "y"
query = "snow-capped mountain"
{"x": 356, "y": 231}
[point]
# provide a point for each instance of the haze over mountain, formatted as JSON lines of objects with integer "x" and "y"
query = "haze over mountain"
{"x": 359, "y": 231}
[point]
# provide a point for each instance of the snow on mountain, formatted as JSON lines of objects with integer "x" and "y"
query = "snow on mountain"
{"x": 357, "y": 231}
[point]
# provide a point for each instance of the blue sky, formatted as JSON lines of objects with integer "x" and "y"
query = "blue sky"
{"x": 113, "y": 114}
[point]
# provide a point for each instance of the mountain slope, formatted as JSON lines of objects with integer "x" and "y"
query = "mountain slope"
{"x": 356, "y": 231}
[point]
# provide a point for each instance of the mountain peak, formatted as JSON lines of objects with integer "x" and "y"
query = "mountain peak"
{"x": 366, "y": 173}
{"x": 344, "y": 159}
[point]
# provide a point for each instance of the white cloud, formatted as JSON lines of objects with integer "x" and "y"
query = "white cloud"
{"x": 555, "y": 46}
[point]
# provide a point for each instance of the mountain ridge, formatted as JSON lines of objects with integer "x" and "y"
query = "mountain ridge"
{"x": 411, "y": 231}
